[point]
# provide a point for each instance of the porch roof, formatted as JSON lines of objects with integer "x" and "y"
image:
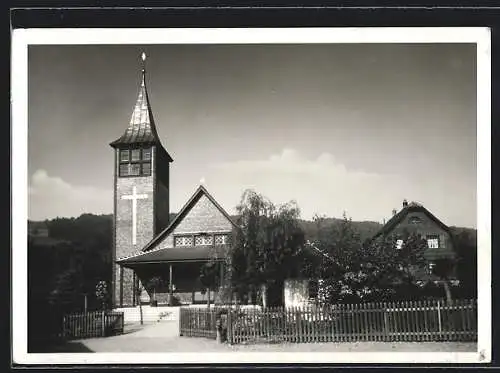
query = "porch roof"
{"x": 176, "y": 254}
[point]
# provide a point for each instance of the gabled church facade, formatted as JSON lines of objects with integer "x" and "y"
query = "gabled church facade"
{"x": 200, "y": 233}
{"x": 145, "y": 243}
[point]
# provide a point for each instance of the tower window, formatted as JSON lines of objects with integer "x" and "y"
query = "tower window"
{"x": 146, "y": 169}
{"x": 146, "y": 154}
{"x": 124, "y": 155}
{"x": 135, "y": 169}
{"x": 135, "y": 162}
{"x": 136, "y": 155}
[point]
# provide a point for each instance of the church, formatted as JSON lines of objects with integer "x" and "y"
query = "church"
{"x": 146, "y": 243}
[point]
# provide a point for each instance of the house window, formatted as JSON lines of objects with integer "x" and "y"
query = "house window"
{"x": 433, "y": 242}
{"x": 203, "y": 240}
{"x": 442, "y": 241}
{"x": 399, "y": 244}
{"x": 135, "y": 162}
{"x": 183, "y": 241}
{"x": 414, "y": 220}
{"x": 221, "y": 239}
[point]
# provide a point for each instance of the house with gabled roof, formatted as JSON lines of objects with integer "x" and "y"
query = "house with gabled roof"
{"x": 414, "y": 218}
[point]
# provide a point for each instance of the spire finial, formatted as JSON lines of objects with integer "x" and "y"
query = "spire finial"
{"x": 143, "y": 58}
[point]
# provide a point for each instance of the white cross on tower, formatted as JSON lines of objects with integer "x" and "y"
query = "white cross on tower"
{"x": 134, "y": 197}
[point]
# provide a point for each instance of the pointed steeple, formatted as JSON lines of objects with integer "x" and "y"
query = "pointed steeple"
{"x": 141, "y": 129}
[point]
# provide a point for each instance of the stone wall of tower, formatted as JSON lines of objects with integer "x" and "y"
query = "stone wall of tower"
{"x": 162, "y": 196}
{"x": 123, "y": 282}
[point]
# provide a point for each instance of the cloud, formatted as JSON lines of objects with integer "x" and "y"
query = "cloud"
{"x": 322, "y": 185}
{"x": 51, "y": 196}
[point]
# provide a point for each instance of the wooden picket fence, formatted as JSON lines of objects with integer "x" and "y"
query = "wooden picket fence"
{"x": 411, "y": 321}
{"x": 198, "y": 322}
{"x": 92, "y": 324}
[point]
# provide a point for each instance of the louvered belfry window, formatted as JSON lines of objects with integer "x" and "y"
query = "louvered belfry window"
{"x": 135, "y": 162}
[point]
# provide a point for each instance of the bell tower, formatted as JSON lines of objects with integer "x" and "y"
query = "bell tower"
{"x": 141, "y": 191}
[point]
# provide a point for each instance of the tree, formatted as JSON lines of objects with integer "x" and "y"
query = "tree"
{"x": 443, "y": 269}
{"x": 66, "y": 291}
{"x": 397, "y": 266}
{"x": 266, "y": 245}
{"x": 354, "y": 272}
{"x": 209, "y": 277}
{"x": 101, "y": 292}
{"x": 152, "y": 284}
{"x": 77, "y": 257}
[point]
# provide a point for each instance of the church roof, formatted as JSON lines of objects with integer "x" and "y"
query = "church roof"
{"x": 397, "y": 218}
{"x": 141, "y": 129}
{"x": 185, "y": 209}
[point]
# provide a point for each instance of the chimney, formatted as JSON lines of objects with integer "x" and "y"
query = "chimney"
{"x": 405, "y": 203}
{"x": 394, "y": 212}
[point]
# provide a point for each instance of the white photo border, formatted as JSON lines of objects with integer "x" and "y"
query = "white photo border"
{"x": 23, "y": 38}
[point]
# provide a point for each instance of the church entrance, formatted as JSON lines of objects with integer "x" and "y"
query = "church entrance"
{"x": 177, "y": 283}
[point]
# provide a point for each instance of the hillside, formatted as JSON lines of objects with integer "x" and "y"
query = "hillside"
{"x": 99, "y": 228}
{"x": 366, "y": 229}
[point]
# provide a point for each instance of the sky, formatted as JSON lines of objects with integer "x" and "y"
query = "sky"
{"x": 352, "y": 128}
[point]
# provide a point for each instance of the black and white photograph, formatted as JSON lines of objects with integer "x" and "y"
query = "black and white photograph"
{"x": 250, "y": 195}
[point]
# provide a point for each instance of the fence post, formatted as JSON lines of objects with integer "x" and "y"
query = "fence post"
{"x": 229, "y": 326}
{"x": 103, "y": 324}
{"x": 439, "y": 317}
{"x": 180, "y": 321}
